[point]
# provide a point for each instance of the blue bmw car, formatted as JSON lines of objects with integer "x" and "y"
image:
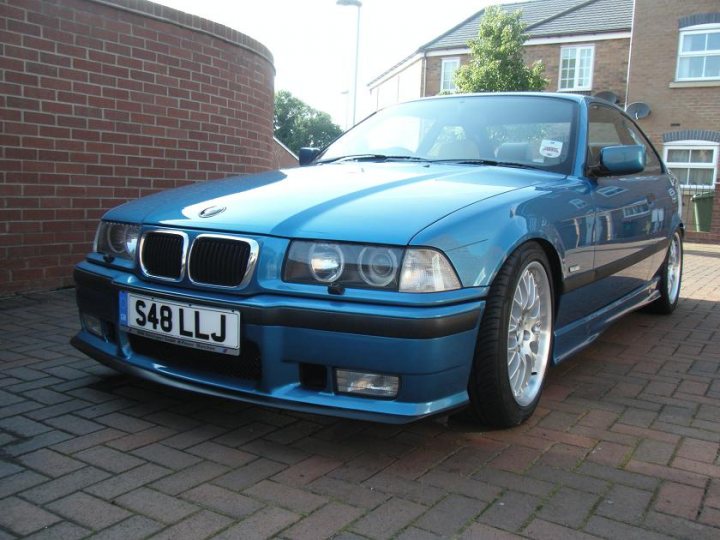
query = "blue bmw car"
{"x": 442, "y": 254}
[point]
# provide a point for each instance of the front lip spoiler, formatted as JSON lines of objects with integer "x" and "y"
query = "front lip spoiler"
{"x": 159, "y": 378}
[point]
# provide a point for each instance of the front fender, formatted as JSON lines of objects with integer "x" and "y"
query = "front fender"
{"x": 478, "y": 239}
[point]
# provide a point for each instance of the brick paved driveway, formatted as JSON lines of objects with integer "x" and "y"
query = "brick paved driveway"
{"x": 624, "y": 445}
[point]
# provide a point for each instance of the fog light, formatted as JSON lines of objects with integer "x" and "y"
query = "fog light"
{"x": 367, "y": 384}
{"x": 92, "y": 324}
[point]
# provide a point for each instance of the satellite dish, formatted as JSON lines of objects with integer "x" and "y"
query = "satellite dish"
{"x": 638, "y": 110}
{"x": 607, "y": 95}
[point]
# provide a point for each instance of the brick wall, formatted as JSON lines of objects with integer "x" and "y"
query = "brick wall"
{"x": 102, "y": 101}
{"x": 283, "y": 158}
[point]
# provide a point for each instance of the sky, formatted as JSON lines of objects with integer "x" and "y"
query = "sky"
{"x": 313, "y": 41}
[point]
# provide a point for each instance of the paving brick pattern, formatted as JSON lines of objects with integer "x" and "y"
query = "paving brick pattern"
{"x": 624, "y": 445}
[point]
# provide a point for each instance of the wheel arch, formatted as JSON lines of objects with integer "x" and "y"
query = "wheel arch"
{"x": 555, "y": 266}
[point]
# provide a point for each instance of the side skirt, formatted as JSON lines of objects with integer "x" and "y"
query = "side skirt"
{"x": 579, "y": 334}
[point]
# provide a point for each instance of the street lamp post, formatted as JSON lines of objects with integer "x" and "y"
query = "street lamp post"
{"x": 357, "y": 4}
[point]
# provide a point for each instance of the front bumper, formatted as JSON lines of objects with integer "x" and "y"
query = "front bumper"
{"x": 429, "y": 347}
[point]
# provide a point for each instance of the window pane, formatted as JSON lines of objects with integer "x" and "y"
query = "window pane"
{"x": 694, "y": 43}
{"x": 712, "y": 66}
{"x": 713, "y": 41}
{"x": 567, "y": 76}
{"x": 449, "y": 67}
{"x": 583, "y": 75}
{"x": 678, "y": 156}
{"x": 683, "y": 68}
{"x": 700, "y": 176}
{"x": 691, "y": 68}
{"x": 682, "y": 174}
{"x": 701, "y": 156}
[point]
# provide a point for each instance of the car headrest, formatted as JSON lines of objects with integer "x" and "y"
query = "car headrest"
{"x": 513, "y": 152}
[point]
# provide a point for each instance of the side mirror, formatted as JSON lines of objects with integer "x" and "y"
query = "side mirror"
{"x": 307, "y": 155}
{"x": 622, "y": 160}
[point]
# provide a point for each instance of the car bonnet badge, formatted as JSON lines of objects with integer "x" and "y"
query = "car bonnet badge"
{"x": 211, "y": 211}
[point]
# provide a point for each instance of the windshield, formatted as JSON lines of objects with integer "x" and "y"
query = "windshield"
{"x": 522, "y": 130}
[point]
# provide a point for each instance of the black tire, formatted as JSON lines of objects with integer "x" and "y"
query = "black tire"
{"x": 670, "y": 278}
{"x": 492, "y": 400}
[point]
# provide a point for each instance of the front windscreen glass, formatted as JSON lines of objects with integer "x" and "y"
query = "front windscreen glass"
{"x": 530, "y": 131}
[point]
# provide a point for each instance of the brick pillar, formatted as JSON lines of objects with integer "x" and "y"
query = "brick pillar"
{"x": 715, "y": 223}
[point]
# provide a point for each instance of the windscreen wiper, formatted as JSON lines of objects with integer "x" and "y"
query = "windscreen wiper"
{"x": 371, "y": 157}
{"x": 491, "y": 162}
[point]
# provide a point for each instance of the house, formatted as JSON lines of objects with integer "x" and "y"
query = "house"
{"x": 584, "y": 44}
{"x": 675, "y": 71}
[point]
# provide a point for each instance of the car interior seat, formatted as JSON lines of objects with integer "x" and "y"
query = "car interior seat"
{"x": 514, "y": 152}
{"x": 458, "y": 149}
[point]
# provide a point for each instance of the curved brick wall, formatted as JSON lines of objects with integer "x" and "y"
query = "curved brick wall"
{"x": 102, "y": 101}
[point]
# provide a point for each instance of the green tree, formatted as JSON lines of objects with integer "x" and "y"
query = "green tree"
{"x": 297, "y": 124}
{"x": 496, "y": 57}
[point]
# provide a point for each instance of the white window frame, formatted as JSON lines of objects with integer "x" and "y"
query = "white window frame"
{"x": 694, "y": 145}
{"x": 694, "y": 30}
{"x": 446, "y": 63}
{"x": 576, "y": 87}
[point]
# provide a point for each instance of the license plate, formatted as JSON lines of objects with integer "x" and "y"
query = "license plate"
{"x": 190, "y": 325}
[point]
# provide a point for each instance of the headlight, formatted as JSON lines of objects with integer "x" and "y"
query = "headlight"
{"x": 117, "y": 239}
{"x": 369, "y": 267}
{"x": 349, "y": 265}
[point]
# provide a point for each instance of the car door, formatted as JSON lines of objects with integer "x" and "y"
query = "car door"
{"x": 633, "y": 211}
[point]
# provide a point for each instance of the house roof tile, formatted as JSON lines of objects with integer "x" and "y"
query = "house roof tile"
{"x": 546, "y": 18}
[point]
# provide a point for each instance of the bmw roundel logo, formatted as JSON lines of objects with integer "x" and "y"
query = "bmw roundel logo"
{"x": 211, "y": 211}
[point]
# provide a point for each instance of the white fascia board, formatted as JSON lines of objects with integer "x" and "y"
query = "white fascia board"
{"x": 449, "y": 52}
{"x": 394, "y": 71}
{"x": 580, "y": 38}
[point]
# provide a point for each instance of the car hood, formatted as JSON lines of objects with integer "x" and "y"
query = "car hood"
{"x": 366, "y": 202}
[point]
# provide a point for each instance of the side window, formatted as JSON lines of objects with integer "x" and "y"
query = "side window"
{"x": 653, "y": 165}
{"x": 602, "y": 132}
{"x": 607, "y": 127}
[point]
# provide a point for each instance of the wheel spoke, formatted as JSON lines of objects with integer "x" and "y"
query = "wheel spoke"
{"x": 514, "y": 365}
{"x": 532, "y": 290}
{"x": 516, "y": 377}
{"x": 515, "y": 316}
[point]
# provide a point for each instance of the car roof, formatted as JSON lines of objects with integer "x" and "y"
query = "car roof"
{"x": 569, "y": 97}
{"x": 575, "y": 98}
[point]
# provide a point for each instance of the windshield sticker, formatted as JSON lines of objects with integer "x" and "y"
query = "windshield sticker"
{"x": 550, "y": 149}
